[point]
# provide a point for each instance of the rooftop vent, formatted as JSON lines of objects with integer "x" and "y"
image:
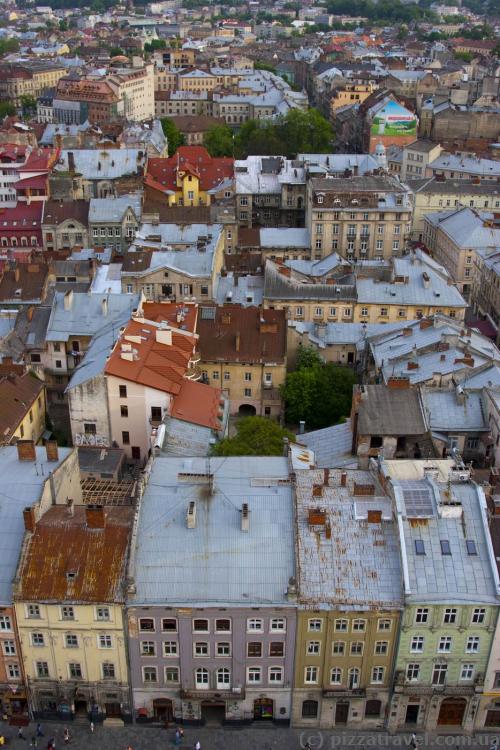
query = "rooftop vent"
{"x": 191, "y": 515}
{"x": 245, "y": 517}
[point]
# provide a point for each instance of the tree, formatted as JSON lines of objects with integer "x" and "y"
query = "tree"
{"x": 6, "y": 110}
{"x": 116, "y": 52}
{"x": 296, "y": 132}
{"x": 28, "y": 104}
{"x": 8, "y": 45}
{"x": 174, "y": 135}
{"x": 316, "y": 392}
{"x": 155, "y": 44}
{"x": 256, "y": 436}
{"x": 218, "y": 140}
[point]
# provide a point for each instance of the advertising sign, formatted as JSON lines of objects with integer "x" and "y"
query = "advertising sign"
{"x": 394, "y": 120}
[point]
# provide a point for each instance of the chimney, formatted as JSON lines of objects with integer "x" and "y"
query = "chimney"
{"x": 426, "y": 279}
{"x": 400, "y": 383}
{"x": 164, "y": 336}
{"x": 237, "y": 342}
{"x": 71, "y": 162}
{"x": 96, "y": 518}
{"x": 52, "y": 452}
{"x": 191, "y": 515}
{"x": 412, "y": 366}
{"x": 29, "y": 518}
{"x": 407, "y": 331}
{"x": 426, "y": 323}
{"x": 364, "y": 490}
{"x": 68, "y": 300}
{"x": 302, "y": 427}
{"x": 343, "y": 479}
{"x": 16, "y": 275}
{"x": 26, "y": 450}
{"x": 104, "y": 306}
{"x": 31, "y": 310}
{"x": 374, "y": 516}
{"x": 245, "y": 517}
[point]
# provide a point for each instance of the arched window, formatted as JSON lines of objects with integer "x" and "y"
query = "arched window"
{"x": 309, "y": 709}
{"x": 223, "y": 678}
{"x": 353, "y": 678}
{"x": 201, "y": 678}
{"x": 5, "y": 242}
{"x": 373, "y": 708}
{"x": 34, "y": 241}
{"x": 24, "y": 242}
{"x": 13, "y": 241}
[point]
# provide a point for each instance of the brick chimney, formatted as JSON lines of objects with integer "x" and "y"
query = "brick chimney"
{"x": 96, "y": 518}
{"x": 29, "y": 518}
{"x": 26, "y": 450}
{"x": 52, "y": 452}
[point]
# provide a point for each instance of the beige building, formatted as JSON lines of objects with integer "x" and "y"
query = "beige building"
{"x": 65, "y": 225}
{"x": 243, "y": 351}
{"x": 349, "y": 595}
{"x": 351, "y": 93}
{"x": 28, "y": 79}
{"x": 135, "y": 87}
{"x": 416, "y": 157}
{"x": 22, "y": 408}
{"x": 361, "y": 218}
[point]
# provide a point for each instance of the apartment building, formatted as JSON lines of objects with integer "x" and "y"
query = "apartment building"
{"x": 65, "y": 225}
{"x": 113, "y": 222}
{"x": 135, "y": 88}
{"x": 270, "y": 191}
{"x": 22, "y": 408}
{"x": 213, "y": 638}
{"x": 243, "y": 351}
{"x": 486, "y": 284}
{"x": 31, "y": 476}
{"x": 416, "y": 158}
{"x": 361, "y": 218}
{"x": 29, "y": 78}
{"x": 350, "y": 93}
{"x": 451, "y": 594}
{"x": 349, "y": 597}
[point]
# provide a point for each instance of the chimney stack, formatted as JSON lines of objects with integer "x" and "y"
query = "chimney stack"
{"x": 68, "y": 300}
{"x": 29, "y": 518}
{"x": 96, "y": 518}
{"x": 52, "y": 452}
{"x": 104, "y": 305}
{"x": 245, "y": 517}
{"x": 302, "y": 427}
{"x": 237, "y": 343}
{"x": 26, "y": 450}
{"x": 191, "y": 515}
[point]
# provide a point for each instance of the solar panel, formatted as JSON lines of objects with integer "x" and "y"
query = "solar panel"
{"x": 418, "y": 499}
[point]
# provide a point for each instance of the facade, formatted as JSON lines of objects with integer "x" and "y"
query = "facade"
{"x": 28, "y": 79}
{"x": 243, "y": 351}
{"x": 22, "y": 408}
{"x": 270, "y": 191}
{"x": 349, "y": 590}
{"x": 359, "y": 217}
{"x": 206, "y": 644}
{"x": 113, "y": 222}
{"x": 416, "y": 157}
{"x": 65, "y": 225}
{"x": 451, "y": 592}
{"x": 71, "y": 621}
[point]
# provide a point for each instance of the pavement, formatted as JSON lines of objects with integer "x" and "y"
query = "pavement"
{"x": 253, "y": 737}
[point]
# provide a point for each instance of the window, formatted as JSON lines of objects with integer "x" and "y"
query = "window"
{"x": 248, "y": 392}
{"x": 335, "y": 676}
{"x": 122, "y": 391}
{"x": 341, "y": 626}
{"x": 255, "y": 625}
{"x": 417, "y": 643}
{"x": 338, "y": 648}
{"x": 170, "y": 648}
{"x": 313, "y": 647}
{"x": 378, "y": 674}
{"x": 223, "y": 649}
{"x": 89, "y": 428}
{"x": 223, "y": 626}
{"x": 444, "y": 643}
{"x": 126, "y": 437}
{"x": 384, "y": 625}
{"x": 171, "y": 674}
{"x": 33, "y": 611}
{"x": 422, "y": 615}
{"x": 67, "y": 613}
{"x": 223, "y": 678}
{"x": 445, "y": 547}
{"x": 42, "y": 669}
{"x": 332, "y": 312}
{"x": 311, "y": 675}
{"x": 200, "y": 648}
{"x": 381, "y": 647}
{"x": 383, "y": 312}
{"x": 75, "y": 671}
{"x": 353, "y": 678}
{"x": 156, "y": 413}
{"x": 58, "y": 364}
{"x": 102, "y": 613}
{"x": 450, "y": 616}
{"x": 254, "y": 675}
{"x": 478, "y": 615}
{"x": 13, "y": 671}
{"x": 169, "y": 624}
{"x": 472, "y": 645}
{"x": 357, "y": 648}
{"x": 467, "y": 671}
{"x": 395, "y": 244}
{"x": 149, "y": 674}
{"x": 275, "y": 675}
{"x": 248, "y": 377}
{"x": 147, "y": 625}
{"x": 124, "y": 411}
{"x": 108, "y": 671}
{"x": 254, "y": 648}
{"x": 148, "y": 648}
{"x": 439, "y": 674}
{"x": 277, "y": 625}
{"x": 413, "y": 671}
{"x": 105, "y": 641}
{"x": 37, "y": 639}
{"x": 299, "y": 312}
{"x": 419, "y": 547}
{"x": 364, "y": 311}
{"x": 319, "y": 244}
{"x": 276, "y": 648}
{"x": 358, "y": 626}
{"x": 496, "y": 680}
{"x": 309, "y": 709}
{"x": 204, "y": 290}
{"x": 471, "y": 547}
{"x": 71, "y": 640}
{"x": 9, "y": 648}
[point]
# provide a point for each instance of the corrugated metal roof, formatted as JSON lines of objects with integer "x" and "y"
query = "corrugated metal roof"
{"x": 216, "y": 562}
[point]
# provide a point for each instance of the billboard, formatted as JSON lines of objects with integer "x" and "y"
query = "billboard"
{"x": 394, "y": 120}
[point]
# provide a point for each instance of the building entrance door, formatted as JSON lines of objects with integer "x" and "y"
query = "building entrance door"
{"x": 341, "y": 712}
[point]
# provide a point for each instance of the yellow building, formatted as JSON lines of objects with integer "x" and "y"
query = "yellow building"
{"x": 70, "y": 615}
{"x": 349, "y": 600}
{"x": 30, "y": 78}
{"x": 197, "y": 80}
{"x": 22, "y": 408}
{"x": 351, "y": 93}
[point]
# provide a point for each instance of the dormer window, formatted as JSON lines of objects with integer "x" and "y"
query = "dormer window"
{"x": 320, "y": 198}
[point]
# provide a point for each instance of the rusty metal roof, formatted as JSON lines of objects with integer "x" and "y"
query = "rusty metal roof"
{"x": 66, "y": 560}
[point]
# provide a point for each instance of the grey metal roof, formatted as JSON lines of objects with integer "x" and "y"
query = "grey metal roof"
{"x": 459, "y": 577}
{"x": 248, "y": 292}
{"x": 446, "y": 413}
{"x": 86, "y": 316}
{"x": 22, "y": 485}
{"x": 93, "y": 164}
{"x": 284, "y": 237}
{"x": 216, "y": 562}
{"x": 388, "y": 411}
{"x": 359, "y": 566}
{"x": 277, "y": 286}
{"x": 332, "y": 446}
{"x": 112, "y": 210}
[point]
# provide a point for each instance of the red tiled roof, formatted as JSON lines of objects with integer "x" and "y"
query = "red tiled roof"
{"x": 40, "y": 160}
{"x": 17, "y": 394}
{"x": 178, "y": 315}
{"x": 162, "y": 172}
{"x": 38, "y": 182}
{"x": 23, "y": 214}
{"x": 199, "y": 404}
{"x": 11, "y": 151}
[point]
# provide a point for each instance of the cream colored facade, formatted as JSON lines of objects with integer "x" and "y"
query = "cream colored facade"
{"x": 32, "y": 426}
{"x": 197, "y": 80}
{"x": 247, "y": 384}
{"x": 30, "y": 81}
{"x": 136, "y": 88}
{"x": 457, "y": 259}
{"x": 449, "y": 195}
{"x": 83, "y": 644}
{"x": 352, "y": 93}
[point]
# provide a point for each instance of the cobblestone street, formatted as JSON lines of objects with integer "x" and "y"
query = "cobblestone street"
{"x": 245, "y": 738}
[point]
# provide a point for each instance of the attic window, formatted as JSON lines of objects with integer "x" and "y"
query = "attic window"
{"x": 71, "y": 575}
{"x": 419, "y": 547}
{"x": 320, "y": 198}
{"x": 445, "y": 547}
{"x": 471, "y": 547}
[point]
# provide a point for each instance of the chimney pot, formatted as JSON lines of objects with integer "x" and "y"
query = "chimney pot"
{"x": 52, "y": 452}
{"x": 191, "y": 515}
{"x": 26, "y": 450}
{"x": 29, "y": 518}
{"x": 96, "y": 518}
{"x": 343, "y": 479}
